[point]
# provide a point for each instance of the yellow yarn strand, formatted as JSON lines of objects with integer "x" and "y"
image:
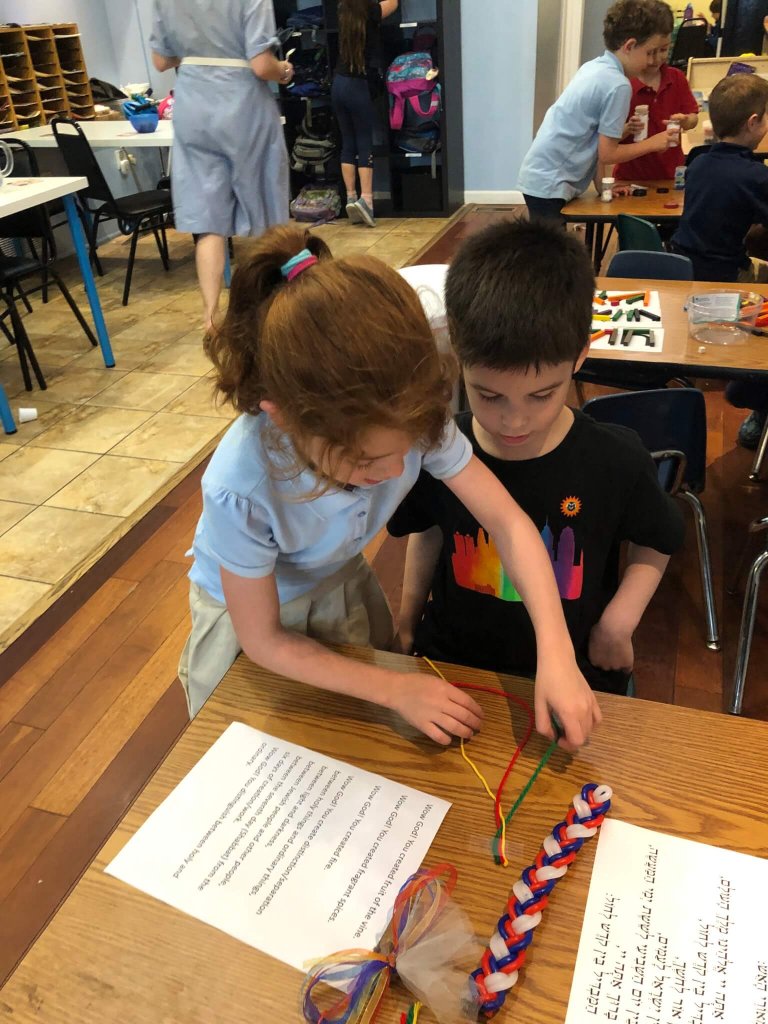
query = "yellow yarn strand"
{"x": 416, "y": 1012}
{"x": 481, "y": 777}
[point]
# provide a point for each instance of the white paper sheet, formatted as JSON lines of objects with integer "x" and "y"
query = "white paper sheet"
{"x": 638, "y": 342}
{"x": 294, "y": 853}
{"x": 674, "y": 933}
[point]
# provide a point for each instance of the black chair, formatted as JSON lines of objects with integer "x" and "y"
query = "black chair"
{"x": 691, "y": 41}
{"x": 672, "y": 424}
{"x": 31, "y": 229}
{"x": 142, "y": 211}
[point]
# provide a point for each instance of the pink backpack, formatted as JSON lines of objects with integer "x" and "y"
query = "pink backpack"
{"x": 406, "y": 80}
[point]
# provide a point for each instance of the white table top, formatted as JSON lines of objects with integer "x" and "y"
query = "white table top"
{"x": 17, "y": 194}
{"x": 101, "y": 135}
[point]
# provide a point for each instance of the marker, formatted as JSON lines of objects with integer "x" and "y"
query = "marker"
{"x": 649, "y": 315}
{"x": 617, "y": 315}
{"x": 613, "y": 338}
{"x": 626, "y": 338}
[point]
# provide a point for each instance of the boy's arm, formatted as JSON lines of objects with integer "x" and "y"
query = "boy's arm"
{"x": 560, "y": 686}
{"x": 430, "y": 704}
{"x": 420, "y": 561}
{"x": 610, "y": 642}
{"x": 613, "y": 151}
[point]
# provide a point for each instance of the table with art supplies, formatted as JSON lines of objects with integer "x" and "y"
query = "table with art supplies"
{"x": 655, "y": 201}
{"x": 739, "y": 349}
{"x": 285, "y": 825}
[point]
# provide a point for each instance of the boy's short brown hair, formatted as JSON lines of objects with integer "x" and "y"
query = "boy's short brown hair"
{"x": 734, "y": 100}
{"x": 632, "y": 19}
{"x": 666, "y": 21}
{"x": 519, "y": 296}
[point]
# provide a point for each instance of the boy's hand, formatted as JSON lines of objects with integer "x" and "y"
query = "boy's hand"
{"x": 659, "y": 142}
{"x": 634, "y": 124}
{"x": 403, "y": 642}
{"x": 564, "y": 690}
{"x": 433, "y": 706}
{"x": 675, "y": 119}
{"x": 610, "y": 646}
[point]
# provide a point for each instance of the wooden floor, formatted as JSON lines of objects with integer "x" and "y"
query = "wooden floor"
{"x": 90, "y": 703}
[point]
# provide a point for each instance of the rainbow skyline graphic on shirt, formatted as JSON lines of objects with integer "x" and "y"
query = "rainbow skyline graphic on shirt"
{"x": 477, "y": 566}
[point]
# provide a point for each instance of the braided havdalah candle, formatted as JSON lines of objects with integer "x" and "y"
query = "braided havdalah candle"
{"x": 506, "y": 952}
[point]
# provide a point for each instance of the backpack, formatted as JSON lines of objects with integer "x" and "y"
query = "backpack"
{"x": 315, "y": 205}
{"x": 421, "y": 125}
{"x": 309, "y": 17}
{"x": 310, "y": 73}
{"x": 408, "y": 76}
{"x": 314, "y": 147}
{"x": 424, "y": 38}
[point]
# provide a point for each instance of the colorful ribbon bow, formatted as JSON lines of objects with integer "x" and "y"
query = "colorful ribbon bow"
{"x": 366, "y": 975}
{"x": 507, "y": 948}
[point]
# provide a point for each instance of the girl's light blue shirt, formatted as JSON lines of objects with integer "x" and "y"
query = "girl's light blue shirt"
{"x": 255, "y": 522}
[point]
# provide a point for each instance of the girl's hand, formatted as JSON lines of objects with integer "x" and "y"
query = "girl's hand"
{"x": 563, "y": 689}
{"x": 433, "y": 706}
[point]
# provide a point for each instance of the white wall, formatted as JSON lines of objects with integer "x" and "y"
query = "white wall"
{"x": 498, "y": 41}
{"x": 91, "y": 18}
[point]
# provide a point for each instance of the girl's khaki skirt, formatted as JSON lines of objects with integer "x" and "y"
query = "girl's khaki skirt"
{"x": 347, "y": 608}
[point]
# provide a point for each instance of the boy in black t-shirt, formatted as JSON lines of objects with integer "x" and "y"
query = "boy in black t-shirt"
{"x": 519, "y": 303}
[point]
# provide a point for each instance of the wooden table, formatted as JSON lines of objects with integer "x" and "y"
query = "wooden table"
{"x": 589, "y": 209}
{"x": 681, "y": 352}
{"x": 113, "y": 954}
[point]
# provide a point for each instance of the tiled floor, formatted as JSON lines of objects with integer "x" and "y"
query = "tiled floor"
{"x": 108, "y": 444}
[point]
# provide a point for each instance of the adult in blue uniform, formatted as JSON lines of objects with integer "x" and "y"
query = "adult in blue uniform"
{"x": 229, "y": 172}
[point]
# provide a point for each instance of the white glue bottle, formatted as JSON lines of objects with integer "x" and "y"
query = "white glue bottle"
{"x": 673, "y": 134}
{"x": 641, "y": 111}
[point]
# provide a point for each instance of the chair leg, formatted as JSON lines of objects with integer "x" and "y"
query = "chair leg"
{"x": 162, "y": 246}
{"x": 45, "y": 276}
{"x": 129, "y": 269}
{"x": 713, "y": 637}
{"x": 23, "y": 297}
{"x": 746, "y": 631}
{"x": 24, "y": 349}
{"x": 757, "y": 465}
{"x": 74, "y": 307}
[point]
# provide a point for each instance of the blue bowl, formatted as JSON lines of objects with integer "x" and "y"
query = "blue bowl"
{"x": 144, "y": 122}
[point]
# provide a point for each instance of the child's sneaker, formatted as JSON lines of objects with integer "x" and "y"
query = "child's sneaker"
{"x": 751, "y": 430}
{"x": 353, "y": 213}
{"x": 366, "y": 213}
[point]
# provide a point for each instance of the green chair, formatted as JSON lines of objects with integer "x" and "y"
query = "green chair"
{"x": 636, "y": 233}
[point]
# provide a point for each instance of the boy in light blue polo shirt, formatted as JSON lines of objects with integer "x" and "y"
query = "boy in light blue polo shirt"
{"x": 584, "y": 127}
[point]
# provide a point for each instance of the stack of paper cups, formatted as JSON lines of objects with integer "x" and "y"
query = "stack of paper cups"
{"x": 27, "y": 415}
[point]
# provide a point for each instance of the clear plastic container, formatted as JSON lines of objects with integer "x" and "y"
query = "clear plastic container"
{"x": 723, "y": 317}
{"x": 606, "y": 189}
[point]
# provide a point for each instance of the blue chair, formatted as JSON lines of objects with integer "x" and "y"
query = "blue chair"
{"x": 659, "y": 266}
{"x": 6, "y": 416}
{"x": 672, "y": 424}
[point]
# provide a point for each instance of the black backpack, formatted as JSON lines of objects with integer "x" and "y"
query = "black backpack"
{"x": 316, "y": 144}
